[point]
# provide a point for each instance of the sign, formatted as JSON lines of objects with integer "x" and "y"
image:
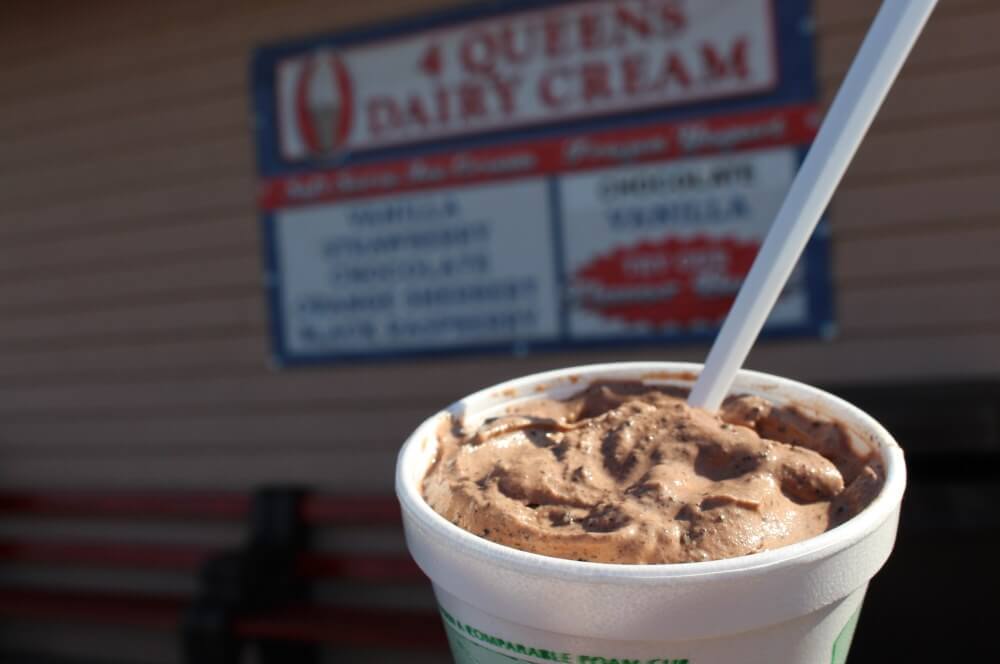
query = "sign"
{"x": 522, "y": 68}
{"x": 424, "y": 270}
{"x": 665, "y": 246}
{"x": 533, "y": 175}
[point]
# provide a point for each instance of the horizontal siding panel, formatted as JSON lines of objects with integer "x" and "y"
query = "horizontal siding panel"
{"x": 81, "y": 347}
{"x": 833, "y": 14}
{"x": 348, "y": 388}
{"x": 891, "y": 155}
{"x": 242, "y": 378}
{"x": 93, "y": 289}
{"x": 123, "y": 56}
{"x": 111, "y": 376}
{"x": 196, "y": 37}
{"x": 124, "y": 264}
{"x": 947, "y": 39}
{"x": 38, "y": 31}
{"x": 131, "y": 324}
{"x": 225, "y": 74}
{"x": 204, "y": 354}
{"x": 347, "y": 429}
{"x": 932, "y": 305}
{"x": 86, "y": 377}
{"x": 969, "y": 353}
{"x": 431, "y": 383}
{"x": 333, "y": 469}
{"x": 154, "y": 207}
{"x": 922, "y": 97}
{"x": 896, "y": 207}
{"x": 888, "y": 258}
{"x": 194, "y": 234}
{"x": 108, "y": 172}
{"x": 248, "y": 356}
{"x": 882, "y": 359}
{"x": 163, "y": 124}
{"x": 175, "y": 65}
{"x": 957, "y": 355}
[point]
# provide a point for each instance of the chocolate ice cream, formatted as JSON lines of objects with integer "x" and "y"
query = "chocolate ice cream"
{"x": 629, "y": 473}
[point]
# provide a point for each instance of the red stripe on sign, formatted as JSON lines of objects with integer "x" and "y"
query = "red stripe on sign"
{"x": 306, "y": 126}
{"x": 784, "y": 126}
{"x": 345, "y": 119}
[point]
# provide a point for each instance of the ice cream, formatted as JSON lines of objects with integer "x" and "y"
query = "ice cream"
{"x": 629, "y": 473}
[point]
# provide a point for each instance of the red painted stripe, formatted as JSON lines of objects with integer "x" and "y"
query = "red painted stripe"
{"x": 151, "y": 612}
{"x": 373, "y": 568}
{"x": 319, "y": 509}
{"x": 115, "y": 555}
{"x": 199, "y": 505}
{"x": 101, "y": 554}
{"x": 327, "y": 625}
{"x": 324, "y": 509}
{"x": 792, "y": 125}
{"x": 349, "y": 627}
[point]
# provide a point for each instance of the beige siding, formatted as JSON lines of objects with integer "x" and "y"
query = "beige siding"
{"x": 134, "y": 349}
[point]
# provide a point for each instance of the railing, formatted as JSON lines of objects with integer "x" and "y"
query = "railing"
{"x": 269, "y": 612}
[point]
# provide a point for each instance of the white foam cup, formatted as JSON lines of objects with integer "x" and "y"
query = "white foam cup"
{"x": 797, "y": 604}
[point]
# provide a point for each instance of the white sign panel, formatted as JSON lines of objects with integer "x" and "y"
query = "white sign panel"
{"x": 465, "y": 266}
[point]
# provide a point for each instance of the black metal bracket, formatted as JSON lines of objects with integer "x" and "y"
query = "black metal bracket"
{"x": 258, "y": 578}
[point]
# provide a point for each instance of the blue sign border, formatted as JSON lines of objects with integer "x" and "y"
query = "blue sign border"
{"x": 796, "y": 85}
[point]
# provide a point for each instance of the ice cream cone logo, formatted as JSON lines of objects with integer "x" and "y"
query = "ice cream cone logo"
{"x": 323, "y": 103}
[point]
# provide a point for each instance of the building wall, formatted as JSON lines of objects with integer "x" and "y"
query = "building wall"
{"x": 133, "y": 344}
